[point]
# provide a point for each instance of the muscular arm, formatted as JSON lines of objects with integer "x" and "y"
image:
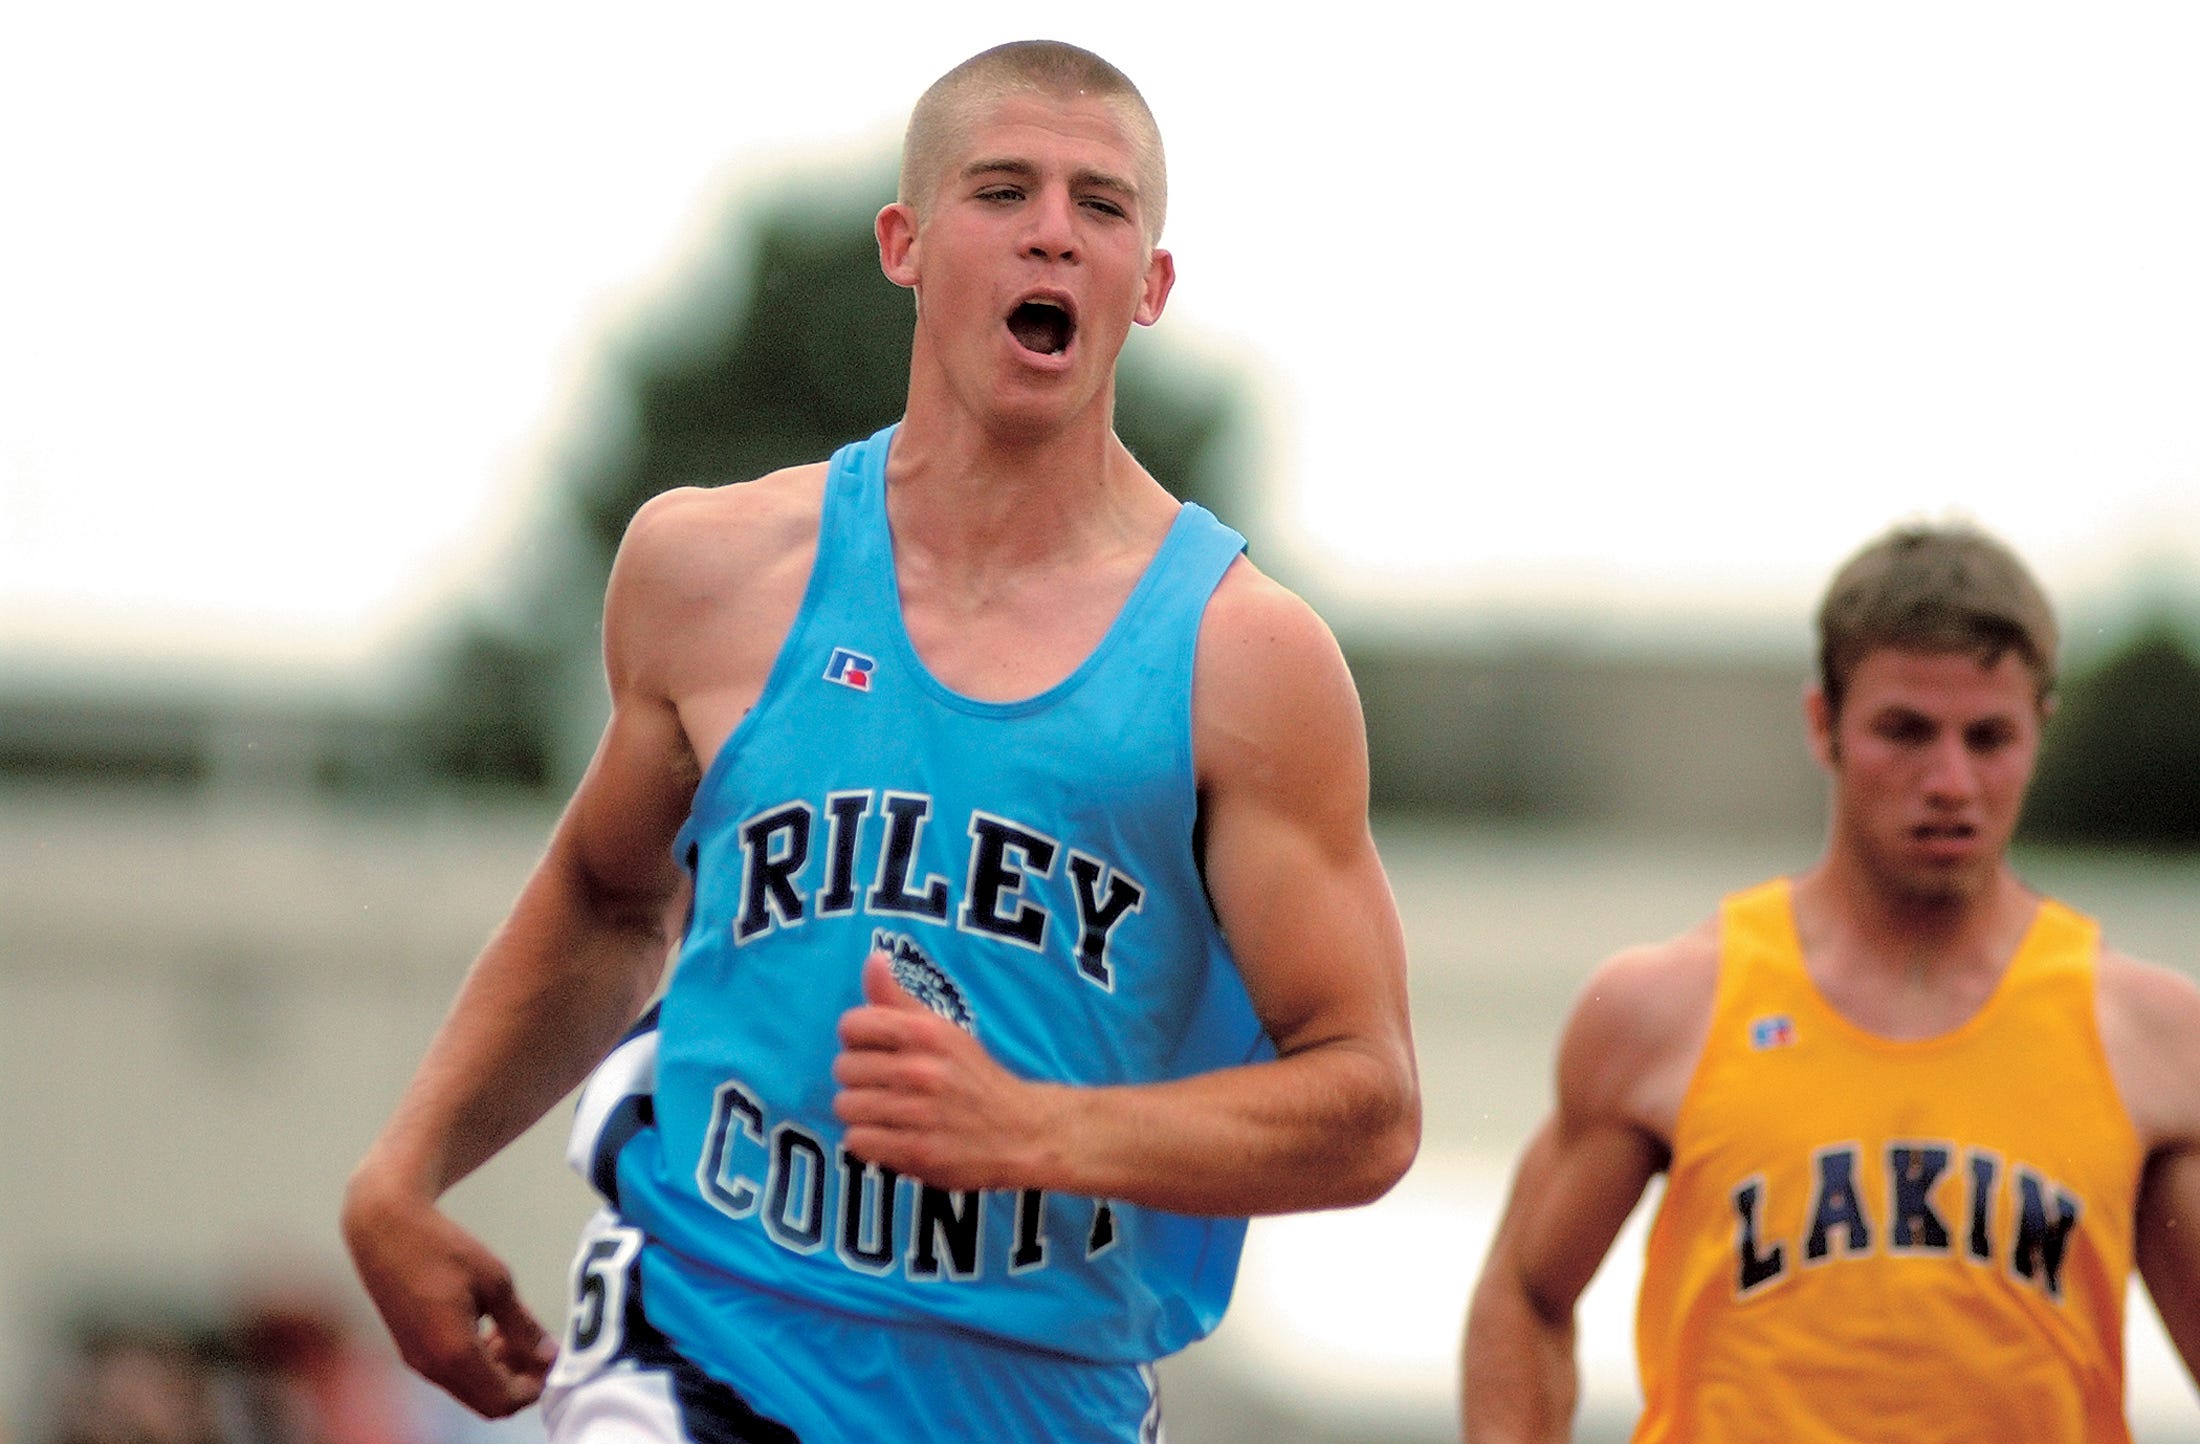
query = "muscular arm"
{"x": 2150, "y": 1023}
{"x": 2169, "y": 1247}
{"x": 1296, "y": 884}
{"x": 570, "y": 968}
{"x": 1623, "y": 1064}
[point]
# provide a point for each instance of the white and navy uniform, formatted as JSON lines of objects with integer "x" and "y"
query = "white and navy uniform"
{"x": 1031, "y": 868}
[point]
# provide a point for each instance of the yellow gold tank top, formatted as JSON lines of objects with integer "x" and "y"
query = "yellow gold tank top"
{"x": 1865, "y": 1239}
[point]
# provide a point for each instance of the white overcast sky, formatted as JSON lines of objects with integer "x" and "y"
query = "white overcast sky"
{"x": 1614, "y": 310}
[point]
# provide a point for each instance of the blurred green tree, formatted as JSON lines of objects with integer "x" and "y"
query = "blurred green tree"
{"x": 2121, "y": 761}
{"x": 785, "y": 341}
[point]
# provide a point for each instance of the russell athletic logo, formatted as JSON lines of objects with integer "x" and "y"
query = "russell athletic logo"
{"x": 850, "y": 669}
{"x": 1776, "y": 1030}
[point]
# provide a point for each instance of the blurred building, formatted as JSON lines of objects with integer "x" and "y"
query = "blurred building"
{"x": 220, "y": 958}
{"x": 1547, "y": 732}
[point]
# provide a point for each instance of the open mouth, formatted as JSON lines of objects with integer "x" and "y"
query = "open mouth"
{"x": 1042, "y": 326}
{"x": 1947, "y": 838}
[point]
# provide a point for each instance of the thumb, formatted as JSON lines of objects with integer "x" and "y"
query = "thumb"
{"x": 524, "y": 1346}
{"x": 881, "y": 988}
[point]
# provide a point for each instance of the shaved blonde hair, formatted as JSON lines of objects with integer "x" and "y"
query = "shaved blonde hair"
{"x": 945, "y": 115}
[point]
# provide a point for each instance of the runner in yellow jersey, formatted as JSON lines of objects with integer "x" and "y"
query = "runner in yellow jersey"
{"x": 1918, "y": 1124}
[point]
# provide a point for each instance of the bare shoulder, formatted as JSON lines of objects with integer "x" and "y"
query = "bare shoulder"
{"x": 2150, "y": 1026}
{"x": 1253, "y": 621}
{"x": 1636, "y": 1028}
{"x": 1272, "y": 690}
{"x": 2141, "y": 985}
{"x": 691, "y": 537}
{"x": 701, "y": 562}
{"x": 2153, "y": 1004}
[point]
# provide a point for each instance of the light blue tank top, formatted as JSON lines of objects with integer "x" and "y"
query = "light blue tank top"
{"x": 1030, "y": 866}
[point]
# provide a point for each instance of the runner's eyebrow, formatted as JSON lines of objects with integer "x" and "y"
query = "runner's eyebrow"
{"x": 1025, "y": 171}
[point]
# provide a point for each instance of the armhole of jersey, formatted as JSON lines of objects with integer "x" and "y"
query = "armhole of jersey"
{"x": 1732, "y": 966}
{"x": 1227, "y": 546}
{"x": 1231, "y": 546}
{"x": 2088, "y": 933}
{"x": 833, "y": 497}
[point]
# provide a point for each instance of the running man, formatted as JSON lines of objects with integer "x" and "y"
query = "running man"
{"x": 1035, "y": 935}
{"x": 1917, "y": 1123}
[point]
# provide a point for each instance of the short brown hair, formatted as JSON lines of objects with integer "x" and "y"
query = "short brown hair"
{"x": 1946, "y": 588}
{"x": 945, "y": 111}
